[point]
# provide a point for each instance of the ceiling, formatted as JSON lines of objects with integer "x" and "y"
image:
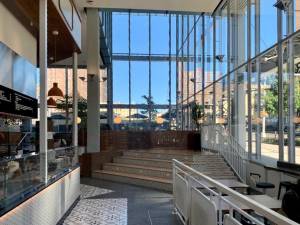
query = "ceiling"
{"x": 27, "y": 12}
{"x": 195, "y": 6}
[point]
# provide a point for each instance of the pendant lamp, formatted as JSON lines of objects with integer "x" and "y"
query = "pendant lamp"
{"x": 51, "y": 103}
{"x": 55, "y": 91}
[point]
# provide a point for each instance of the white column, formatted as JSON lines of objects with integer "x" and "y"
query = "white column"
{"x": 93, "y": 87}
{"x": 43, "y": 139}
{"x": 75, "y": 101}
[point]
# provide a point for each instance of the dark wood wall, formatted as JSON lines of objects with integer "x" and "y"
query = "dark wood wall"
{"x": 113, "y": 143}
{"x": 126, "y": 140}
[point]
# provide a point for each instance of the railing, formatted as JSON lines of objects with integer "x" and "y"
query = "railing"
{"x": 217, "y": 138}
{"x": 22, "y": 140}
{"x": 199, "y": 199}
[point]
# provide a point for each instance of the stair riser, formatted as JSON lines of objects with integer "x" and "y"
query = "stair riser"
{"x": 165, "y": 174}
{"x": 139, "y": 182}
{"x": 144, "y": 163}
{"x": 158, "y": 156}
{"x": 163, "y": 151}
{"x": 173, "y": 156}
{"x": 138, "y": 171}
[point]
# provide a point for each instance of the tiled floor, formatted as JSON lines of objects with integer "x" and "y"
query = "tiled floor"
{"x": 108, "y": 203}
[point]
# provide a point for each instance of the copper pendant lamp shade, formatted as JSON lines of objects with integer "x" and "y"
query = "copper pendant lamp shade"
{"x": 51, "y": 103}
{"x": 55, "y": 91}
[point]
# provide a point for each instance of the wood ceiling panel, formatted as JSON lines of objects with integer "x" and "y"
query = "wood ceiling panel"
{"x": 27, "y": 12}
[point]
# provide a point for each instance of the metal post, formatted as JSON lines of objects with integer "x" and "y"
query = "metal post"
{"x": 67, "y": 99}
{"x": 214, "y": 68}
{"x": 150, "y": 74}
{"x": 177, "y": 72}
{"x": 195, "y": 66}
{"x": 203, "y": 57}
{"x": 249, "y": 78}
{"x": 43, "y": 139}
{"x": 110, "y": 77}
{"x": 228, "y": 68}
{"x": 75, "y": 101}
{"x": 291, "y": 79}
{"x": 182, "y": 71}
{"x": 129, "y": 64}
{"x": 280, "y": 87}
{"x": 170, "y": 71}
{"x": 195, "y": 57}
{"x": 188, "y": 72}
{"x": 258, "y": 71}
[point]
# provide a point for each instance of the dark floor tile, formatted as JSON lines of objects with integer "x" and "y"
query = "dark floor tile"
{"x": 143, "y": 204}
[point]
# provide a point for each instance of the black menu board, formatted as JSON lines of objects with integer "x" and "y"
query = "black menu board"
{"x": 17, "y": 104}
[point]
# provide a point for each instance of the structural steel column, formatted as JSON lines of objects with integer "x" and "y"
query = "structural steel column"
{"x": 195, "y": 57}
{"x": 214, "y": 68}
{"x": 188, "y": 73}
{"x": 258, "y": 71}
{"x": 291, "y": 79}
{"x": 67, "y": 98}
{"x": 177, "y": 73}
{"x": 182, "y": 71}
{"x": 43, "y": 139}
{"x": 170, "y": 73}
{"x": 129, "y": 64}
{"x": 110, "y": 77}
{"x": 93, "y": 87}
{"x": 280, "y": 86}
{"x": 228, "y": 68}
{"x": 203, "y": 57}
{"x": 75, "y": 101}
{"x": 150, "y": 74}
{"x": 249, "y": 73}
{"x": 195, "y": 65}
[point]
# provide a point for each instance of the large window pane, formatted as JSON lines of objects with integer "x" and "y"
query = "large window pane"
{"x": 269, "y": 105}
{"x": 139, "y": 82}
{"x": 160, "y": 34}
{"x": 120, "y": 33}
{"x": 140, "y": 33}
{"x": 160, "y": 81}
{"x": 268, "y": 19}
{"x": 121, "y": 82}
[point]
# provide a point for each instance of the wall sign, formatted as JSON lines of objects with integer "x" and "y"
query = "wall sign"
{"x": 17, "y": 104}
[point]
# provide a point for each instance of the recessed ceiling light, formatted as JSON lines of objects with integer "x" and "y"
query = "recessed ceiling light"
{"x": 90, "y": 2}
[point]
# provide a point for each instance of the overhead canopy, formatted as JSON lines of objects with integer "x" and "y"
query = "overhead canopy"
{"x": 196, "y": 6}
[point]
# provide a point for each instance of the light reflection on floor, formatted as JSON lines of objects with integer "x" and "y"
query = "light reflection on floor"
{"x": 107, "y": 211}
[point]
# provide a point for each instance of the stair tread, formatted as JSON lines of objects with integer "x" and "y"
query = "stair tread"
{"x": 135, "y": 176}
{"x": 139, "y": 167}
{"x": 146, "y": 159}
{"x": 167, "y": 160}
{"x": 192, "y": 155}
{"x": 165, "y": 152}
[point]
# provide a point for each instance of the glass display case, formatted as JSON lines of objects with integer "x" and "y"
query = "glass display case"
{"x": 21, "y": 176}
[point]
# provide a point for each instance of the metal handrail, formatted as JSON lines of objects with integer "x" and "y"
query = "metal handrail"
{"x": 222, "y": 189}
{"x": 228, "y": 147}
{"x": 22, "y": 139}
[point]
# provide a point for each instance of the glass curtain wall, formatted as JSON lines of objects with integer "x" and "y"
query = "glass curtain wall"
{"x": 145, "y": 71}
{"x": 247, "y": 68}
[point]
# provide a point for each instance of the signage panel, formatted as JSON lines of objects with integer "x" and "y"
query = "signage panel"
{"x": 17, "y": 104}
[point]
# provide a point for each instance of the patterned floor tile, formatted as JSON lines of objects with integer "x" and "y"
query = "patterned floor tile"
{"x": 98, "y": 212}
{"x": 88, "y": 191}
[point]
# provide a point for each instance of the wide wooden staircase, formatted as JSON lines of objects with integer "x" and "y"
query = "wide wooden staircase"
{"x": 153, "y": 168}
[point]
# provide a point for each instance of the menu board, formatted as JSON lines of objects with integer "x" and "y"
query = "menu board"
{"x": 17, "y": 104}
